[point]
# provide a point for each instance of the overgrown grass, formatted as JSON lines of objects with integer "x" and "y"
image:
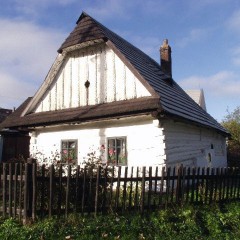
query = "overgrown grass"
{"x": 189, "y": 222}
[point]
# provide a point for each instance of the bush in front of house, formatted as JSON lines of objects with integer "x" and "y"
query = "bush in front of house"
{"x": 189, "y": 222}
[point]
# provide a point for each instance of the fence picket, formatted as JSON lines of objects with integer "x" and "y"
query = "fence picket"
{"x": 188, "y": 184}
{"x": 104, "y": 190}
{"x": 10, "y": 190}
{"x": 51, "y": 180}
{"x": 97, "y": 190}
{"x": 60, "y": 187}
{"x": 231, "y": 182}
{"x": 34, "y": 193}
{"x": 167, "y": 186}
{"x": 111, "y": 188}
{"x": 161, "y": 187}
{"x": 216, "y": 184}
{"x": 136, "y": 190}
{"x": 131, "y": 189}
{"x": 193, "y": 184}
{"x": 149, "y": 188}
{"x": 15, "y": 190}
{"x": 143, "y": 189}
{"x": 25, "y": 198}
{"x": 4, "y": 189}
{"x": 124, "y": 188}
{"x": 42, "y": 182}
{"x": 20, "y": 190}
{"x": 83, "y": 190}
{"x": 211, "y": 185}
{"x": 173, "y": 183}
{"x": 68, "y": 190}
{"x": 118, "y": 188}
{"x": 77, "y": 189}
{"x": 224, "y": 183}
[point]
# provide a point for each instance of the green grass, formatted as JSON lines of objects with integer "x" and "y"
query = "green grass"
{"x": 189, "y": 222}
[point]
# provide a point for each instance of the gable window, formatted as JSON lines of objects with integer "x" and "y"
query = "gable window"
{"x": 69, "y": 151}
{"x": 117, "y": 154}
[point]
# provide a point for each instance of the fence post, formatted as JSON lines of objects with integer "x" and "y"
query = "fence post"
{"x": 10, "y": 189}
{"x": 51, "y": 182}
{"x": 118, "y": 188}
{"x": 97, "y": 191}
{"x": 34, "y": 186}
{"x": 4, "y": 189}
{"x": 68, "y": 189}
{"x": 15, "y": 189}
{"x": 143, "y": 190}
{"x": 179, "y": 185}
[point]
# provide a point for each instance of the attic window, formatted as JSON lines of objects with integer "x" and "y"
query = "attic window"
{"x": 87, "y": 84}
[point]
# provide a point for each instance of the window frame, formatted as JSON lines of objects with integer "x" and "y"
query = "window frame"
{"x": 124, "y": 138}
{"x": 73, "y": 161}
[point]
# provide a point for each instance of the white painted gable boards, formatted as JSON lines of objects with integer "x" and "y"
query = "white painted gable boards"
{"x": 91, "y": 76}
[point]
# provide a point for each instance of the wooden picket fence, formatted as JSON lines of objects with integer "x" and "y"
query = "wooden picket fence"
{"x": 31, "y": 191}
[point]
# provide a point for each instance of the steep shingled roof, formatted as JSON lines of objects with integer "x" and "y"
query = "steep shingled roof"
{"x": 174, "y": 101}
{"x": 173, "y": 98}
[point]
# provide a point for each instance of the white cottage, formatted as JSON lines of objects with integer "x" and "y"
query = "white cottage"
{"x": 104, "y": 94}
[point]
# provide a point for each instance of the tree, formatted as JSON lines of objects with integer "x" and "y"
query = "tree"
{"x": 232, "y": 123}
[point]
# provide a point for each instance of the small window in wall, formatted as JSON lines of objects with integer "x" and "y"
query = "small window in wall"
{"x": 117, "y": 154}
{"x": 69, "y": 151}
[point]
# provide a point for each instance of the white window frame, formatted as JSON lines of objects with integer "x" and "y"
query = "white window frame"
{"x": 113, "y": 158}
{"x": 69, "y": 160}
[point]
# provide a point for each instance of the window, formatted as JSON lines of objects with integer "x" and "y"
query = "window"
{"x": 69, "y": 151}
{"x": 117, "y": 154}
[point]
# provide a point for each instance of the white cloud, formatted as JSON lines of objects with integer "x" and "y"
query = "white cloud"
{"x": 27, "y": 52}
{"x": 124, "y": 9}
{"x": 194, "y": 35}
{"x": 14, "y": 91}
{"x": 27, "y": 48}
{"x": 205, "y": 3}
{"x": 108, "y": 9}
{"x": 222, "y": 84}
{"x": 235, "y": 54}
{"x": 34, "y": 7}
{"x": 234, "y": 21}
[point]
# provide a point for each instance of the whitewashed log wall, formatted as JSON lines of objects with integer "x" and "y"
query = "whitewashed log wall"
{"x": 144, "y": 137}
{"x": 110, "y": 80}
{"x": 191, "y": 145}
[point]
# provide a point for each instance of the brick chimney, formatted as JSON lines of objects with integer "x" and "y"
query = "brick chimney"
{"x": 165, "y": 57}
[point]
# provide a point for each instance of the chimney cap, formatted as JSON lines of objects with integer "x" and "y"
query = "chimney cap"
{"x": 165, "y": 42}
{"x": 165, "y": 58}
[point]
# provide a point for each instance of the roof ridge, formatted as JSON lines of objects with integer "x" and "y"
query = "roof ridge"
{"x": 106, "y": 31}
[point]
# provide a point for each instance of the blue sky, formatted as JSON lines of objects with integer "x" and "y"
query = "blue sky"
{"x": 204, "y": 36}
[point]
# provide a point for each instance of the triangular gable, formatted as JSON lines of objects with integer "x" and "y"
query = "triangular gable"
{"x": 90, "y": 76}
{"x": 86, "y": 37}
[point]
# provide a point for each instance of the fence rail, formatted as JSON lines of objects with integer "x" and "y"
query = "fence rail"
{"x": 29, "y": 190}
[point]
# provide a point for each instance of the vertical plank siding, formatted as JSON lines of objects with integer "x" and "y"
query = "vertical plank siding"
{"x": 109, "y": 80}
{"x": 31, "y": 191}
